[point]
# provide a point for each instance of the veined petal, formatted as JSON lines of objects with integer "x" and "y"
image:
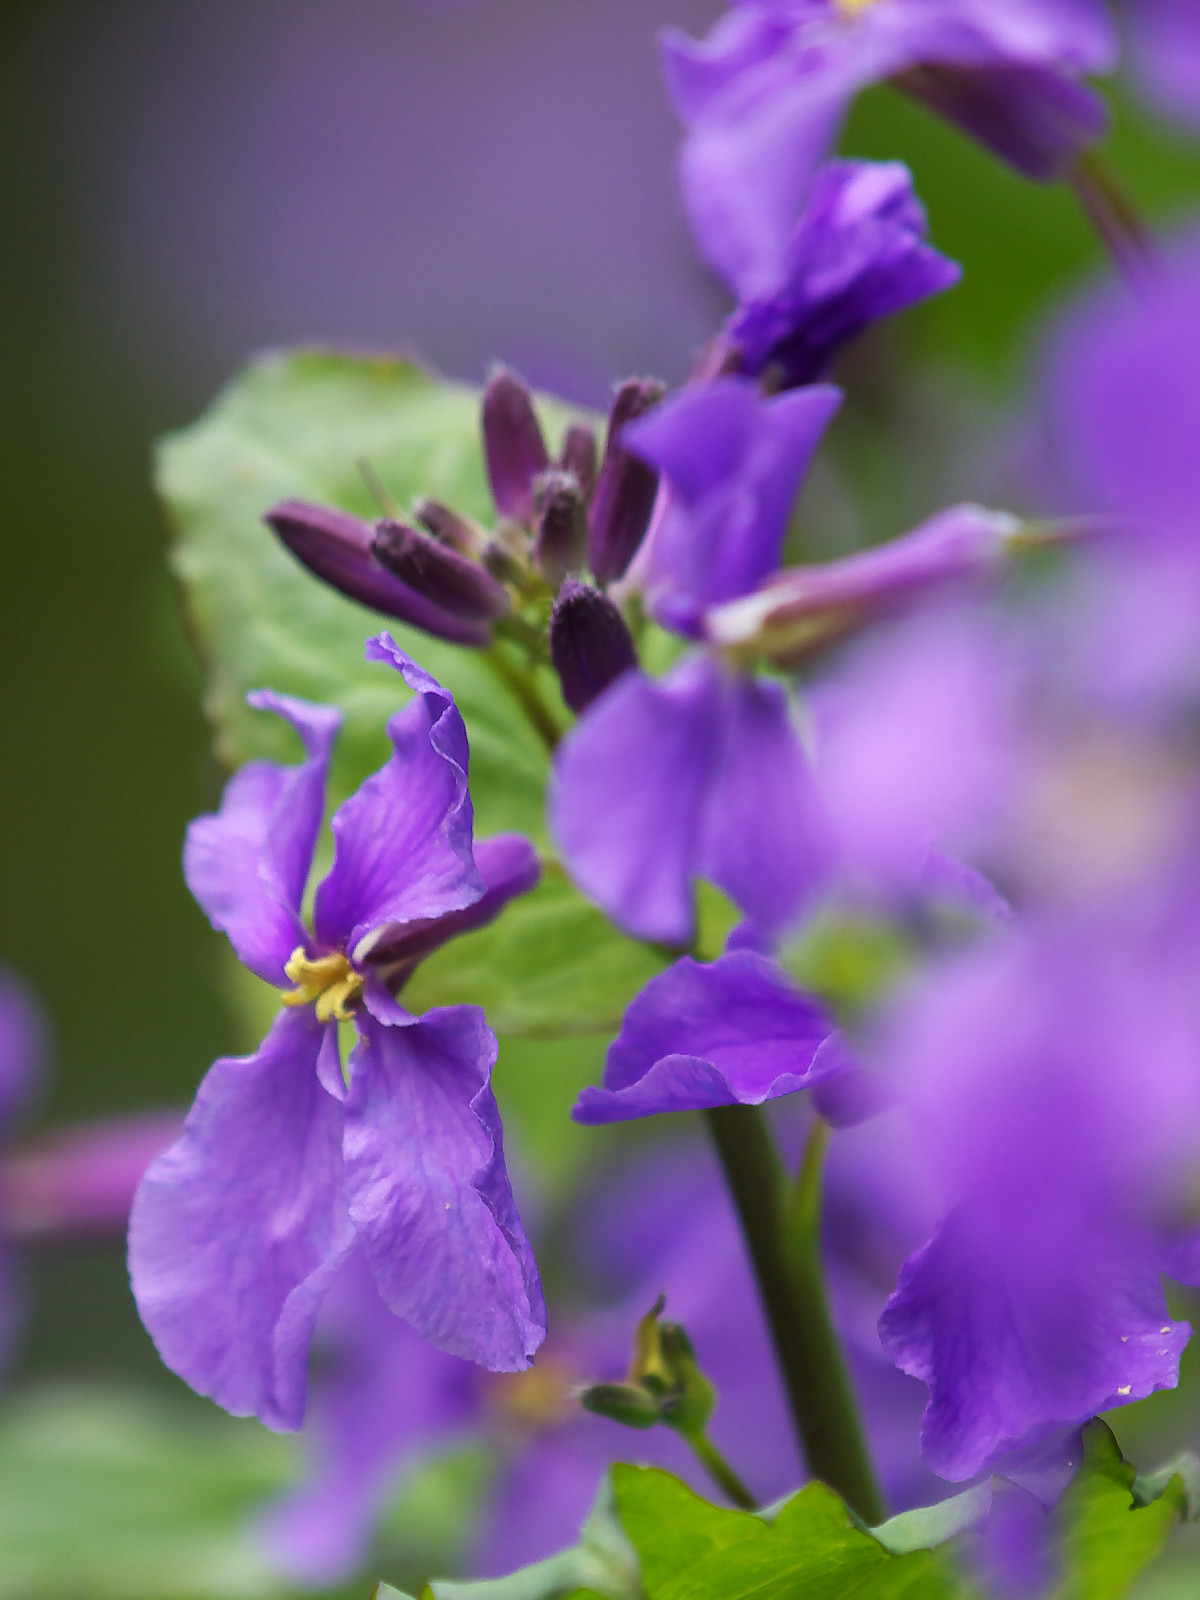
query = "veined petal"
{"x": 247, "y": 864}
{"x": 627, "y": 793}
{"x": 1016, "y": 1342}
{"x": 736, "y": 1032}
{"x": 402, "y": 842}
{"x": 428, "y": 1190}
{"x": 237, "y": 1229}
{"x": 762, "y": 837}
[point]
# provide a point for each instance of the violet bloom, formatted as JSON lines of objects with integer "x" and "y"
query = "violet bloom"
{"x": 1051, "y": 1094}
{"x": 857, "y": 254}
{"x": 1164, "y": 37}
{"x": 287, "y": 1162}
{"x": 701, "y": 774}
{"x": 764, "y": 94}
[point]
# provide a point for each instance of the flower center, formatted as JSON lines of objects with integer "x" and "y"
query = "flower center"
{"x": 329, "y": 982}
{"x": 853, "y": 8}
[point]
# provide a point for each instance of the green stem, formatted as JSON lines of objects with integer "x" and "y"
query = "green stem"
{"x": 787, "y": 1263}
{"x": 719, "y": 1470}
{"x": 1114, "y": 216}
{"x": 523, "y": 688}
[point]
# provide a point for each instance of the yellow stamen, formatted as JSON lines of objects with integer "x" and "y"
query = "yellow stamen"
{"x": 330, "y": 983}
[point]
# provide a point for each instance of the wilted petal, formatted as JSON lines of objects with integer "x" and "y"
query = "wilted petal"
{"x": 1016, "y": 1342}
{"x": 402, "y": 842}
{"x": 762, "y": 837}
{"x": 247, "y": 864}
{"x": 627, "y": 794}
{"x": 238, "y": 1227}
{"x": 429, "y": 1193}
{"x": 736, "y": 1032}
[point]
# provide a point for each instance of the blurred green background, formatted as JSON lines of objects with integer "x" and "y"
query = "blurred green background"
{"x": 184, "y": 183}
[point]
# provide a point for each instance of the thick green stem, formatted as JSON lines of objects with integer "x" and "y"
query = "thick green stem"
{"x": 785, "y": 1252}
{"x": 719, "y": 1470}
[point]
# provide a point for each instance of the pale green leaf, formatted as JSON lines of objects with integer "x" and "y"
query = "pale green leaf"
{"x": 1106, "y": 1538}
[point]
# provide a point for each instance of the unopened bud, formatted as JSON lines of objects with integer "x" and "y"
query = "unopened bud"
{"x": 579, "y": 457}
{"x": 806, "y": 609}
{"x": 513, "y": 445}
{"x": 664, "y": 1383}
{"x": 561, "y": 526}
{"x": 623, "y": 1403}
{"x": 453, "y": 581}
{"x": 448, "y": 527}
{"x": 625, "y": 489}
{"x": 590, "y": 643}
{"x": 337, "y": 548}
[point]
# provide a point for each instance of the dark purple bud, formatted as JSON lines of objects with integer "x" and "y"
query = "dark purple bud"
{"x": 579, "y": 457}
{"x": 337, "y": 548}
{"x": 451, "y": 580}
{"x": 448, "y": 527}
{"x": 513, "y": 445}
{"x": 590, "y": 644}
{"x": 561, "y": 526}
{"x": 625, "y": 489}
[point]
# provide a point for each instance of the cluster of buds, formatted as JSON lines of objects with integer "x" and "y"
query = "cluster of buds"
{"x": 565, "y": 530}
{"x": 664, "y": 1384}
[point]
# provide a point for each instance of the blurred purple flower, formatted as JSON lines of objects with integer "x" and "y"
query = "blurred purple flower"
{"x": 286, "y": 1163}
{"x": 858, "y": 253}
{"x": 1051, "y": 1095}
{"x": 1164, "y": 37}
{"x": 22, "y": 1044}
{"x": 764, "y": 94}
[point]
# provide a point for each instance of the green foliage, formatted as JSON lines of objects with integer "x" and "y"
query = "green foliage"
{"x": 296, "y": 424}
{"x": 104, "y": 1496}
{"x": 1106, "y": 1537}
{"x": 929, "y": 1526}
{"x": 691, "y": 1550}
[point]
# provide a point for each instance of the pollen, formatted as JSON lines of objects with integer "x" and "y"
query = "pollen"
{"x": 328, "y": 982}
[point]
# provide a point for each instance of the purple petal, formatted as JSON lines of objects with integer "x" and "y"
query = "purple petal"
{"x": 762, "y": 837}
{"x": 735, "y": 461}
{"x": 626, "y": 797}
{"x": 1165, "y": 35}
{"x": 237, "y": 1229}
{"x": 402, "y": 843}
{"x": 80, "y": 1179}
{"x": 248, "y": 863}
{"x": 380, "y": 1395}
{"x": 429, "y": 1193}
{"x": 22, "y": 1047}
{"x": 733, "y": 1033}
{"x": 1015, "y": 1343}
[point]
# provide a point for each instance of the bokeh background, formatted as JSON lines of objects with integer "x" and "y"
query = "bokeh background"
{"x": 183, "y": 184}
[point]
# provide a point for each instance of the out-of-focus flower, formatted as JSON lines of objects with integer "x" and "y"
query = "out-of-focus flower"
{"x": 858, "y": 253}
{"x": 1050, "y": 1088}
{"x": 764, "y": 94}
{"x": 287, "y": 1161}
{"x": 1164, "y": 38}
{"x": 21, "y": 1050}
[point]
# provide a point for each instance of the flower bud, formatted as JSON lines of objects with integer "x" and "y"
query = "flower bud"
{"x": 622, "y": 1402}
{"x": 513, "y": 445}
{"x": 625, "y": 489}
{"x": 448, "y": 527}
{"x": 451, "y": 580}
{"x": 579, "y": 457}
{"x": 337, "y": 548}
{"x": 561, "y": 526}
{"x": 590, "y": 644}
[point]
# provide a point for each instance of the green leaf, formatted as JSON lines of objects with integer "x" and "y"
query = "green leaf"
{"x": 295, "y": 424}
{"x": 109, "y": 1496}
{"x": 602, "y": 1566}
{"x": 691, "y": 1550}
{"x": 1106, "y": 1537}
{"x": 929, "y": 1526}
{"x": 551, "y": 966}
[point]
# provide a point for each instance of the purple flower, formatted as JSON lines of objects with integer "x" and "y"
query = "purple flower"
{"x": 764, "y": 95}
{"x": 1052, "y": 1099}
{"x": 287, "y": 1161}
{"x": 736, "y": 1032}
{"x": 733, "y": 461}
{"x": 701, "y": 775}
{"x": 1165, "y": 47}
{"x": 858, "y": 253}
